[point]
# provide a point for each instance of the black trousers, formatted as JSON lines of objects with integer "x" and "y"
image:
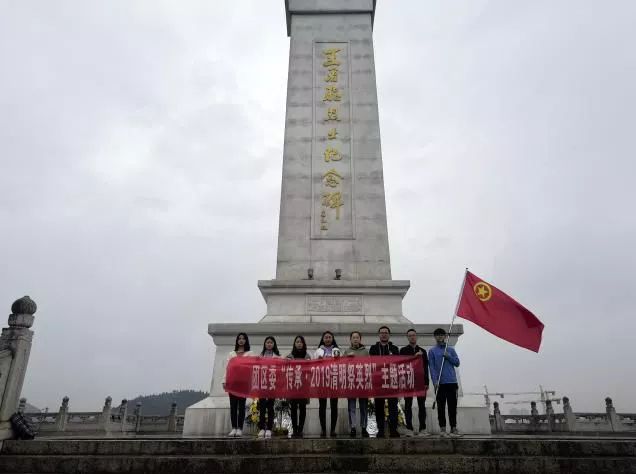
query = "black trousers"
{"x": 266, "y": 407}
{"x": 421, "y": 412}
{"x": 322, "y": 413}
{"x": 447, "y": 393}
{"x": 298, "y": 407}
{"x": 237, "y": 412}
{"x": 393, "y": 414}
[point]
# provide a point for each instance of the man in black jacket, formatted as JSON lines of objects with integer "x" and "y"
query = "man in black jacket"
{"x": 414, "y": 349}
{"x": 385, "y": 347}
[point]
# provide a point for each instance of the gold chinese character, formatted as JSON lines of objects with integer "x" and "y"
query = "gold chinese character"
{"x": 332, "y": 114}
{"x": 333, "y": 201}
{"x": 332, "y": 134}
{"x": 332, "y": 178}
{"x": 332, "y": 94}
{"x": 331, "y": 154}
{"x": 332, "y": 74}
{"x": 331, "y": 55}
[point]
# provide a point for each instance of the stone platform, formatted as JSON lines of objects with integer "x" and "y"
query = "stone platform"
{"x": 502, "y": 455}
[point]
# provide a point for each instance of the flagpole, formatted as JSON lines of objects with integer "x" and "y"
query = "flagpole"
{"x": 450, "y": 330}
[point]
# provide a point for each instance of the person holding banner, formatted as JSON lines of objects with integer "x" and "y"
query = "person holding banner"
{"x": 442, "y": 360}
{"x": 357, "y": 349}
{"x": 384, "y": 347}
{"x": 413, "y": 349}
{"x": 237, "y": 404}
{"x": 266, "y": 405}
{"x": 327, "y": 348}
{"x": 299, "y": 351}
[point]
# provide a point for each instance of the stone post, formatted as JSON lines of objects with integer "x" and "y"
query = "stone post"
{"x": 499, "y": 424}
{"x": 549, "y": 412}
{"x": 62, "y": 415}
{"x": 570, "y": 418}
{"x": 123, "y": 412}
{"x": 106, "y": 414}
{"x": 137, "y": 414}
{"x": 22, "y": 405}
{"x": 611, "y": 414}
{"x": 15, "y": 348}
{"x": 534, "y": 416}
{"x": 172, "y": 419}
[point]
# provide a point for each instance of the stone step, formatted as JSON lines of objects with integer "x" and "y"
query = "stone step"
{"x": 314, "y": 464}
{"x": 477, "y": 455}
{"x": 228, "y": 447}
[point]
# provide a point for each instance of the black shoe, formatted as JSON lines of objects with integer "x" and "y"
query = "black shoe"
{"x": 333, "y": 434}
{"x": 380, "y": 434}
{"x": 353, "y": 433}
{"x": 365, "y": 433}
{"x": 323, "y": 434}
{"x": 394, "y": 434}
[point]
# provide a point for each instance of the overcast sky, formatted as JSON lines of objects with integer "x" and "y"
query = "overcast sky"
{"x": 141, "y": 151}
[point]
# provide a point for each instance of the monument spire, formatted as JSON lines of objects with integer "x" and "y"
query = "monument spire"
{"x": 333, "y": 213}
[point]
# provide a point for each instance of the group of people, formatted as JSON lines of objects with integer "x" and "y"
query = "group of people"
{"x": 445, "y": 385}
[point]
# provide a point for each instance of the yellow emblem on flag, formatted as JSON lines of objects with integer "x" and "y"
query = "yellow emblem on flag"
{"x": 482, "y": 291}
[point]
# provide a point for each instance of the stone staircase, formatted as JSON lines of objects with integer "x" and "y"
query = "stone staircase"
{"x": 173, "y": 455}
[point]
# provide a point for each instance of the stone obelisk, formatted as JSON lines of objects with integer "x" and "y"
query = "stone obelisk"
{"x": 333, "y": 268}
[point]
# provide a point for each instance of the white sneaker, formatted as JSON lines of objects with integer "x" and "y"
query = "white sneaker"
{"x": 261, "y": 434}
{"x": 239, "y": 433}
{"x": 268, "y": 434}
{"x": 232, "y": 433}
{"x": 454, "y": 433}
{"x": 423, "y": 434}
{"x": 406, "y": 433}
{"x": 443, "y": 434}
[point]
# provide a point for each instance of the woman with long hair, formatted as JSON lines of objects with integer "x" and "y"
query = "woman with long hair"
{"x": 266, "y": 405}
{"x": 299, "y": 351}
{"x": 327, "y": 348}
{"x": 237, "y": 404}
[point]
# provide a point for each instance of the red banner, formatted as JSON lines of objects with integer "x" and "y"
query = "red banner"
{"x": 340, "y": 377}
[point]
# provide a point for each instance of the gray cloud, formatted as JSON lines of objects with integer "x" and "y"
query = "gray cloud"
{"x": 141, "y": 150}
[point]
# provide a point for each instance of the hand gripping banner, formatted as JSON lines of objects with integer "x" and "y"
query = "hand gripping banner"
{"x": 340, "y": 377}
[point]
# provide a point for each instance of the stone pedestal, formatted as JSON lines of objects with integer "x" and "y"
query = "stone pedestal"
{"x": 15, "y": 348}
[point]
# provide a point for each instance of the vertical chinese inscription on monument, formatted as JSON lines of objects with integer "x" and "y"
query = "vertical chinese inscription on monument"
{"x": 332, "y": 215}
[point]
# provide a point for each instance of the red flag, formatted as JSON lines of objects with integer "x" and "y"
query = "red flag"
{"x": 499, "y": 314}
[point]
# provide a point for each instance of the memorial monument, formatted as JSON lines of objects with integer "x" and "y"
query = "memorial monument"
{"x": 333, "y": 269}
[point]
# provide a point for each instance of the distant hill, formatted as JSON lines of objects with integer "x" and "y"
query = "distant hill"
{"x": 159, "y": 404}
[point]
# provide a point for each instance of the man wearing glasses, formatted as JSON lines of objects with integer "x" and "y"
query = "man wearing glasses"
{"x": 385, "y": 347}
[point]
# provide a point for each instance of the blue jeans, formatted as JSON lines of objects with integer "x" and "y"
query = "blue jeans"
{"x": 363, "y": 412}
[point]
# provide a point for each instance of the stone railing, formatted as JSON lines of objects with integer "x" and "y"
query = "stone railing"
{"x": 568, "y": 421}
{"x": 106, "y": 422}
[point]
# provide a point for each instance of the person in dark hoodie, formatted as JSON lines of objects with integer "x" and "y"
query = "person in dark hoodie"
{"x": 299, "y": 351}
{"x": 413, "y": 349}
{"x": 357, "y": 349}
{"x": 385, "y": 347}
